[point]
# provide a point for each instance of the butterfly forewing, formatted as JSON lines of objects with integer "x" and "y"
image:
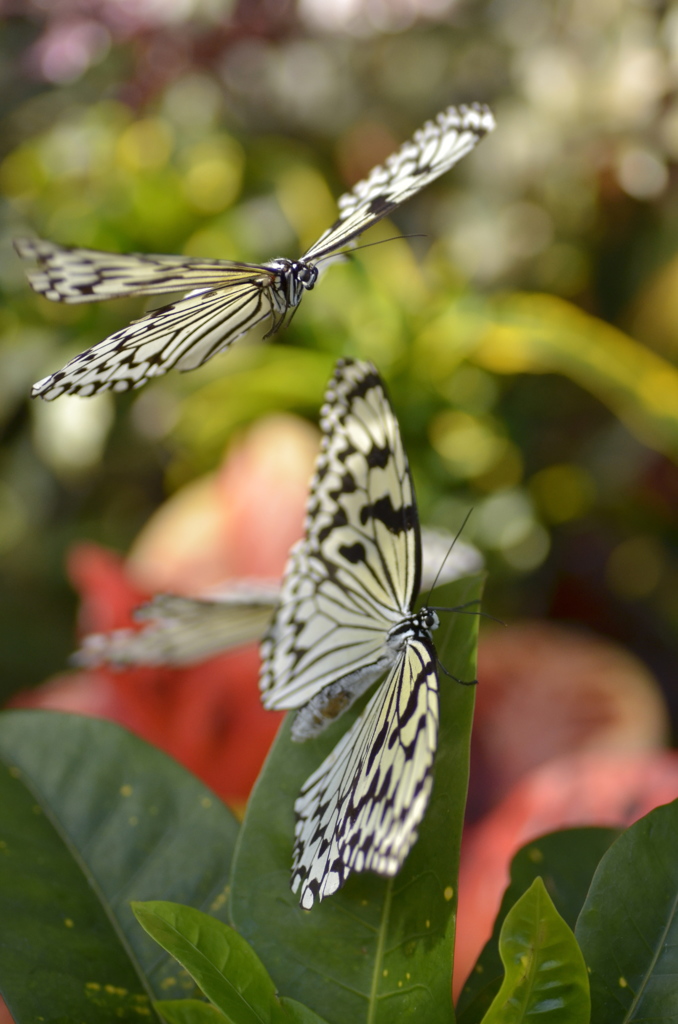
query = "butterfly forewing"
{"x": 247, "y": 292}
{"x": 356, "y": 572}
{"x": 362, "y": 807}
{"x": 87, "y": 275}
{"x": 183, "y": 335}
{"x": 433, "y": 150}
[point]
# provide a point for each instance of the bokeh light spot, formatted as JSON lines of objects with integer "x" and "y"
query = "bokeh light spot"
{"x": 469, "y": 445}
{"x": 635, "y": 567}
{"x": 505, "y": 520}
{"x": 529, "y": 553}
{"x": 214, "y": 175}
{"x": 472, "y": 389}
{"x": 641, "y": 173}
{"x": 70, "y": 434}
{"x": 563, "y": 492}
{"x": 145, "y": 145}
{"x": 307, "y": 203}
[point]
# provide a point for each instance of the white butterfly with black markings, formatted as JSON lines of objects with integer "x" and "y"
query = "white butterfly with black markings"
{"x": 226, "y": 298}
{"x": 344, "y": 620}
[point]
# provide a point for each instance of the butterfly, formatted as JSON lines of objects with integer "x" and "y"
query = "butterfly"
{"x": 226, "y": 298}
{"x": 345, "y": 620}
{"x": 179, "y": 630}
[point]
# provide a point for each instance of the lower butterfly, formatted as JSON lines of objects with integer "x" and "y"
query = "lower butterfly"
{"x": 345, "y": 620}
{"x": 226, "y": 299}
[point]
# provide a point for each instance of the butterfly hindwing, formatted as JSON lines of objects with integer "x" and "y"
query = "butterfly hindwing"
{"x": 183, "y": 335}
{"x": 362, "y": 807}
{"x": 236, "y": 295}
{"x": 356, "y": 571}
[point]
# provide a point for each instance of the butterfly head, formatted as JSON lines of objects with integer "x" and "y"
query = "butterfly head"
{"x": 306, "y": 274}
{"x": 427, "y": 619}
{"x": 416, "y": 626}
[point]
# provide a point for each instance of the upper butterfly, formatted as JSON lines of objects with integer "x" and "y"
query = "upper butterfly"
{"x": 226, "y": 298}
{"x": 344, "y": 620}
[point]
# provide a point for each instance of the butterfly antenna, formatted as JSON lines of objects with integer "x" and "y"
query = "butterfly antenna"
{"x": 367, "y": 245}
{"x": 462, "y": 609}
{"x": 462, "y": 682}
{"x": 442, "y": 564}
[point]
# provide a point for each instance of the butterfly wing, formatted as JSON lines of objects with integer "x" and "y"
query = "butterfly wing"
{"x": 432, "y": 151}
{"x": 356, "y": 572}
{"x": 183, "y": 630}
{"x": 184, "y": 335}
{"x": 361, "y": 809}
{"x": 88, "y": 275}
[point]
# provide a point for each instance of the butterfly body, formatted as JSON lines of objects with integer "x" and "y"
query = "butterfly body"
{"x": 336, "y": 698}
{"x": 345, "y": 620}
{"x": 225, "y": 299}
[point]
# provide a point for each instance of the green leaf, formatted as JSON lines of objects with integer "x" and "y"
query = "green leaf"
{"x": 195, "y": 1011}
{"x": 92, "y": 818}
{"x": 296, "y": 1013}
{"x": 190, "y": 1011}
{"x": 224, "y": 966}
{"x": 566, "y": 861}
{"x": 628, "y": 927}
{"x": 380, "y": 949}
{"x": 59, "y": 952}
{"x": 545, "y": 971}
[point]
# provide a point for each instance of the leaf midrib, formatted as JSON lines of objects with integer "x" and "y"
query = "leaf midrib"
{"x": 379, "y": 955}
{"x": 659, "y": 945}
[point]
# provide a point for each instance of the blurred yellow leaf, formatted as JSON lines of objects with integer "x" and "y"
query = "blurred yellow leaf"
{"x": 523, "y": 333}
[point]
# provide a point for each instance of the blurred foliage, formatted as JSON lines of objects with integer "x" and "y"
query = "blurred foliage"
{"x": 529, "y": 339}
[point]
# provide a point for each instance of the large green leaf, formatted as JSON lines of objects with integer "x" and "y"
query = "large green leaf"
{"x": 628, "y": 927}
{"x": 59, "y": 952}
{"x": 92, "y": 818}
{"x": 379, "y": 949}
{"x": 222, "y": 963}
{"x": 566, "y": 861}
{"x": 545, "y": 974}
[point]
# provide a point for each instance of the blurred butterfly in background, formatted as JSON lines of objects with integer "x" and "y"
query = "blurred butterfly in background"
{"x": 226, "y": 298}
{"x": 345, "y": 620}
{"x": 177, "y": 630}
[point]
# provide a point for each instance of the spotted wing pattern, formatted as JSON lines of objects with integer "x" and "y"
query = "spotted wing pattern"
{"x": 236, "y": 296}
{"x": 355, "y": 574}
{"x": 433, "y": 150}
{"x": 361, "y": 809}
